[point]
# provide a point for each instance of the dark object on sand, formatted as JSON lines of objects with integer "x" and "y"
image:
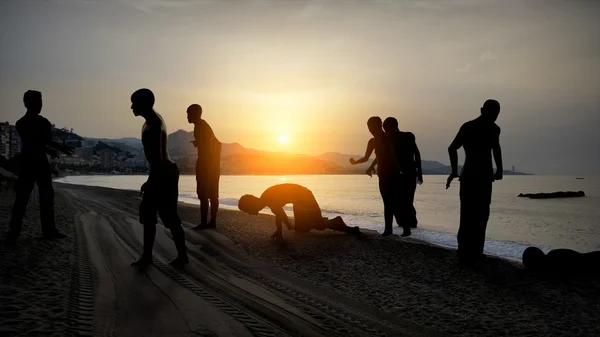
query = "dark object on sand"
{"x": 565, "y": 263}
{"x": 579, "y": 178}
{"x": 552, "y": 195}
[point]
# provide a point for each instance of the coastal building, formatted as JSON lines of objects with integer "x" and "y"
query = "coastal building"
{"x": 15, "y": 141}
{"x": 85, "y": 153}
{"x": 5, "y": 140}
{"x": 72, "y": 160}
{"x": 107, "y": 158}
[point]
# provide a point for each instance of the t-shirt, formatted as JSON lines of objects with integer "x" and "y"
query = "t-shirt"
{"x": 404, "y": 148}
{"x": 208, "y": 147}
{"x": 35, "y": 132}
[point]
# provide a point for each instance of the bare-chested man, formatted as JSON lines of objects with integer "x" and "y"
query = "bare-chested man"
{"x": 480, "y": 138}
{"x": 36, "y": 137}
{"x": 409, "y": 158}
{"x": 160, "y": 192}
{"x": 307, "y": 213}
{"x": 208, "y": 166}
{"x": 388, "y": 172}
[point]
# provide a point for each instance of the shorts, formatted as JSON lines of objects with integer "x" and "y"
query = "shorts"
{"x": 307, "y": 217}
{"x": 207, "y": 182}
{"x": 162, "y": 199}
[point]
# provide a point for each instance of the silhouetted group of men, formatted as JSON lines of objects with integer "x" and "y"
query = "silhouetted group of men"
{"x": 397, "y": 163}
{"x": 398, "y": 166}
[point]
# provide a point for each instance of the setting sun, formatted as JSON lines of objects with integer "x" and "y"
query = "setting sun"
{"x": 283, "y": 139}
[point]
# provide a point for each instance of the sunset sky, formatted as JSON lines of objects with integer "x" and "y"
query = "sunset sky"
{"x": 314, "y": 71}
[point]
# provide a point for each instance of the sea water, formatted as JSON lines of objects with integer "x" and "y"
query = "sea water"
{"x": 514, "y": 224}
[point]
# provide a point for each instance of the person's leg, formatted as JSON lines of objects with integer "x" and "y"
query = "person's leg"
{"x": 44, "y": 183}
{"x": 466, "y": 222}
{"x": 25, "y": 184}
{"x": 202, "y": 192}
{"x": 389, "y": 206}
{"x": 410, "y": 195}
{"x": 403, "y": 215}
{"x": 203, "y": 210}
{"x": 169, "y": 216}
{"x": 214, "y": 199}
{"x": 483, "y": 215}
{"x": 338, "y": 224}
{"x": 148, "y": 209}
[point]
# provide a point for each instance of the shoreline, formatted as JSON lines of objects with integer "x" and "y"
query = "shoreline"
{"x": 229, "y": 208}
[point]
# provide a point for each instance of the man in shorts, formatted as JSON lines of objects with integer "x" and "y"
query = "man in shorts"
{"x": 160, "y": 192}
{"x": 208, "y": 166}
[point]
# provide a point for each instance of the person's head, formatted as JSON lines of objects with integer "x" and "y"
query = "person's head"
{"x": 250, "y": 204}
{"x": 142, "y": 102}
{"x": 390, "y": 125}
{"x": 194, "y": 113}
{"x": 374, "y": 125}
{"x": 533, "y": 258}
{"x": 32, "y": 100}
{"x": 490, "y": 110}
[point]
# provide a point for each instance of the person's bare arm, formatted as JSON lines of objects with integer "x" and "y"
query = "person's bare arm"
{"x": 497, "y": 151}
{"x": 368, "y": 152}
{"x": 456, "y": 144}
{"x": 417, "y": 155}
{"x": 371, "y": 168}
{"x": 280, "y": 217}
{"x": 153, "y": 152}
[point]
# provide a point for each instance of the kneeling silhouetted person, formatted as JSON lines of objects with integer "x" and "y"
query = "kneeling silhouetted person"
{"x": 565, "y": 263}
{"x": 160, "y": 192}
{"x": 307, "y": 213}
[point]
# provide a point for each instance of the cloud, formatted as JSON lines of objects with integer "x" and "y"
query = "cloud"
{"x": 150, "y": 6}
{"x": 487, "y": 56}
{"x": 429, "y": 5}
{"x": 466, "y": 68}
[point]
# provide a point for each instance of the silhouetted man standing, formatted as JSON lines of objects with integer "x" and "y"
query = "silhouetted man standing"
{"x": 388, "y": 172}
{"x": 479, "y": 137}
{"x": 409, "y": 159}
{"x": 36, "y": 139}
{"x": 160, "y": 192}
{"x": 208, "y": 166}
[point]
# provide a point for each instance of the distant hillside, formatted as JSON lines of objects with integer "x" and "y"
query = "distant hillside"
{"x": 236, "y": 159}
{"x": 132, "y": 143}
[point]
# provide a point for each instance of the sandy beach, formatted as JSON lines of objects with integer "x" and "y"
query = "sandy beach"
{"x": 240, "y": 283}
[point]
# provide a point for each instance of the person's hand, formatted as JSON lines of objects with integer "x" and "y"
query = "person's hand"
{"x": 277, "y": 236}
{"x": 420, "y": 180}
{"x": 498, "y": 176}
{"x": 143, "y": 188}
{"x": 352, "y": 161}
{"x": 450, "y": 178}
{"x": 194, "y": 143}
{"x": 370, "y": 171}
